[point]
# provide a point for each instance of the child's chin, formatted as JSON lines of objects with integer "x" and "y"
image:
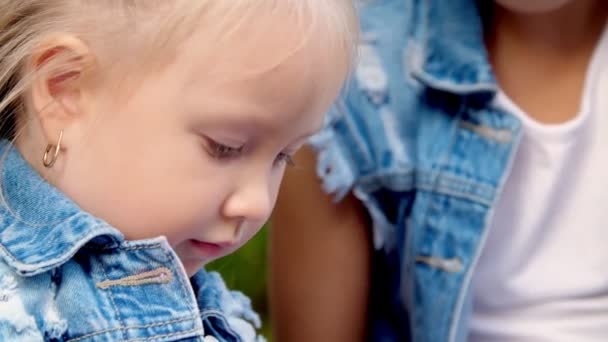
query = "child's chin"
{"x": 193, "y": 266}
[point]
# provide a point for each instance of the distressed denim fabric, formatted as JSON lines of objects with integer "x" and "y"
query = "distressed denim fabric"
{"x": 68, "y": 276}
{"x": 415, "y": 138}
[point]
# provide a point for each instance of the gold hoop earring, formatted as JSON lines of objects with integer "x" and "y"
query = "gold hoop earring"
{"x": 49, "y": 162}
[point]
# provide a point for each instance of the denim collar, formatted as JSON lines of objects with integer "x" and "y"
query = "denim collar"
{"x": 40, "y": 228}
{"x": 449, "y": 48}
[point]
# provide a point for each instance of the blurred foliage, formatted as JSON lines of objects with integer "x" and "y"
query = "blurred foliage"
{"x": 246, "y": 270}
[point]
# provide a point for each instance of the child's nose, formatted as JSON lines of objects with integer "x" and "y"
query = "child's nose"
{"x": 251, "y": 201}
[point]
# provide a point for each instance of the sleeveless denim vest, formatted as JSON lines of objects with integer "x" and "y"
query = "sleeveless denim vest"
{"x": 415, "y": 139}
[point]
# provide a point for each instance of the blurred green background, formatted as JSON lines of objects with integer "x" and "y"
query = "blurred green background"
{"x": 247, "y": 270}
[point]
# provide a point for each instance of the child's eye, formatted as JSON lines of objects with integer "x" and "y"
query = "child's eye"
{"x": 284, "y": 158}
{"x": 220, "y": 151}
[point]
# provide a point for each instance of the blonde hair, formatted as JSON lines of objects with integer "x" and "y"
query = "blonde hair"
{"x": 122, "y": 32}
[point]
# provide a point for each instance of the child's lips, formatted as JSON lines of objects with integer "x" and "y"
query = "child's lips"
{"x": 212, "y": 249}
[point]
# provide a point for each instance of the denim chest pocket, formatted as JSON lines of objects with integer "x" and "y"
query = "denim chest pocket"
{"x": 135, "y": 293}
{"x": 128, "y": 295}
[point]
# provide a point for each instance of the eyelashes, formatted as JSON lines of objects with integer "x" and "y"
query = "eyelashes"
{"x": 284, "y": 158}
{"x": 224, "y": 152}
{"x": 221, "y": 151}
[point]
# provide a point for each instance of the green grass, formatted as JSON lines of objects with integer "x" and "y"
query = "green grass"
{"x": 246, "y": 270}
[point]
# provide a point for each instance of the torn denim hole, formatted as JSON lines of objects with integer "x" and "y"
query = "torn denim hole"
{"x": 453, "y": 265}
{"x": 8, "y": 287}
{"x": 413, "y": 63}
{"x": 391, "y": 130}
{"x": 15, "y": 322}
{"x": 160, "y": 275}
{"x": 54, "y": 327}
{"x": 332, "y": 166}
{"x": 371, "y": 76}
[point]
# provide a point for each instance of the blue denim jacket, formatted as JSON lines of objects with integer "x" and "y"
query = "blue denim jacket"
{"x": 416, "y": 140}
{"x": 68, "y": 276}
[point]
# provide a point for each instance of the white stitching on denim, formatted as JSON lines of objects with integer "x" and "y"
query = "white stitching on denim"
{"x": 134, "y": 248}
{"x": 212, "y": 312}
{"x": 160, "y": 275}
{"x": 171, "y": 259}
{"x": 370, "y": 179}
{"x": 467, "y": 277}
{"x": 120, "y": 320}
{"x": 457, "y": 194}
{"x": 146, "y": 326}
{"x": 86, "y": 238}
{"x": 500, "y": 135}
{"x": 157, "y": 337}
{"x": 185, "y": 287}
{"x": 453, "y": 265}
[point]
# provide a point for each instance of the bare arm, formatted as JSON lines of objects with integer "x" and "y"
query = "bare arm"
{"x": 320, "y": 262}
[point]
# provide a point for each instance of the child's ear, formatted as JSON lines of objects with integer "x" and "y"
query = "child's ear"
{"x": 58, "y": 66}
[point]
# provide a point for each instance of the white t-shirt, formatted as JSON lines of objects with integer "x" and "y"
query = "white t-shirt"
{"x": 543, "y": 274}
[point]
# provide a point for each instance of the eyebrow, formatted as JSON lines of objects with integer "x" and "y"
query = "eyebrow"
{"x": 253, "y": 124}
{"x": 226, "y": 115}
